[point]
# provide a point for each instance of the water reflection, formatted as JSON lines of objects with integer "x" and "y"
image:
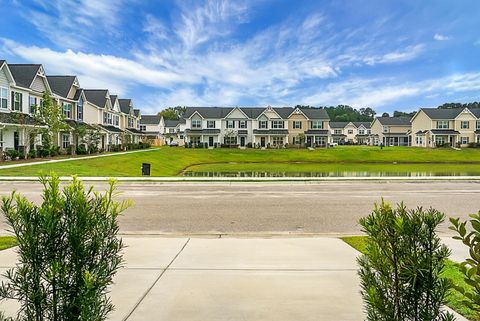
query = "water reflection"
{"x": 330, "y": 174}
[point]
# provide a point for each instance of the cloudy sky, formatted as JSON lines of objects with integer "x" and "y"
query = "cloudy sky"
{"x": 382, "y": 54}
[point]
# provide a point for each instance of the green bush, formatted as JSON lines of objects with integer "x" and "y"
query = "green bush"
{"x": 400, "y": 272}
{"x": 68, "y": 252}
{"x": 32, "y": 154}
{"x": 471, "y": 267}
{"x": 81, "y": 150}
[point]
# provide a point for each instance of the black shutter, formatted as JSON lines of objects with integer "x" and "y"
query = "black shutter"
{"x": 21, "y": 102}
{"x": 13, "y": 100}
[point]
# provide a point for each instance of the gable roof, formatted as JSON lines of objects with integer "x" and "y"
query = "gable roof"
{"x": 113, "y": 98}
{"x": 78, "y": 94}
{"x": 136, "y": 112}
{"x": 125, "y": 105}
{"x": 24, "y": 74}
{"x": 150, "y": 120}
{"x": 436, "y": 113}
{"x": 97, "y": 97}
{"x": 315, "y": 113}
{"x": 394, "y": 121}
{"x": 61, "y": 85}
{"x": 365, "y": 124}
{"x": 171, "y": 122}
{"x": 338, "y": 124}
{"x": 208, "y": 112}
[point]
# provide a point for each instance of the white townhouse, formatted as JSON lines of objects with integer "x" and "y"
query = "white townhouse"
{"x": 150, "y": 128}
{"x": 350, "y": 132}
{"x": 256, "y": 126}
{"x": 456, "y": 127}
{"x": 100, "y": 110}
{"x": 171, "y": 131}
{"x": 26, "y": 84}
{"x": 129, "y": 122}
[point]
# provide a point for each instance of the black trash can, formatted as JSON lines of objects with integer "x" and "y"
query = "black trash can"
{"x": 145, "y": 169}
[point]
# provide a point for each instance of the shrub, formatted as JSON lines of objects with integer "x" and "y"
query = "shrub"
{"x": 471, "y": 267}
{"x": 400, "y": 272}
{"x": 81, "y": 149}
{"x": 13, "y": 154}
{"x": 68, "y": 252}
{"x": 32, "y": 154}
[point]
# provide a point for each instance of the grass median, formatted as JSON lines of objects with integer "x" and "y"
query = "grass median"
{"x": 169, "y": 161}
{"x": 451, "y": 272}
{"x": 7, "y": 242}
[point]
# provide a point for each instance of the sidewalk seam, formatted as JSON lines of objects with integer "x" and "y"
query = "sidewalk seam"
{"x": 155, "y": 282}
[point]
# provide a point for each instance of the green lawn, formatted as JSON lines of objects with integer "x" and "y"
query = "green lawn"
{"x": 169, "y": 161}
{"x": 452, "y": 272}
{"x": 7, "y": 242}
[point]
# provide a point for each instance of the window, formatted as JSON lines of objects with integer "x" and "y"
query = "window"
{"x": 117, "y": 120}
{"x": 65, "y": 141}
{"x": 109, "y": 118}
{"x": 210, "y": 124}
{"x": 17, "y": 101}
{"x": 195, "y": 140}
{"x": 143, "y": 128}
{"x": 262, "y": 124}
{"x": 297, "y": 124}
{"x": 171, "y": 130}
{"x": 80, "y": 109}
{"x": 130, "y": 122}
{"x": 242, "y": 124}
{"x": 3, "y": 97}
{"x": 369, "y": 131}
{"x": 439, "y": 140}
{"x": 338, "y": 131}
{"x": 67, "y": 110}
{"x": 442, "y": 124}
{"x": 277, "y": 140}
{"x": 230, "y": 140}
{"x": 196, "y": 123}
{"x": 419, "y": 140}
{"x": 297, "y": 140}
{"x": 350, "y": 131}
{"x": 386, "y": 129}
{"x": 465, "y": 124}
{"x": 361, "y": 131}
{"x": 277, "y": 124}
{"x": 317, "y": 124}
{"x": 32, "y": 103}
{"x": 319, "y": 140}
{"x": 465, "y": 140}
{"x": 230, "y": 124}
{"x": 478, "y": 124}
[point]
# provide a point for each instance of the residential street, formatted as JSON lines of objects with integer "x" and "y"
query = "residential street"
{"x": 269, "y": 208}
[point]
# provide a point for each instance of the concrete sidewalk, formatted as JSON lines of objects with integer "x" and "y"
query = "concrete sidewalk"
{"x": 212, "y": 279}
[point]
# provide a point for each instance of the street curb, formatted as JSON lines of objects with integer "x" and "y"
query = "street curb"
{"x": 246, "y": 179}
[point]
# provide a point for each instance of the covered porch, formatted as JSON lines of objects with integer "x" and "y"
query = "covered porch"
{"x": 444, "y": 137}
{"x": 394, "y": 139}
{"x": 316, "y": 138}
{"x": 112, "y": 137}
{"x": 196, "y": 137}
{"x": 270, "y": 138}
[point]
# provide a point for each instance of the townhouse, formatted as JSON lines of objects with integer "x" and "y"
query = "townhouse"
{"x": 391, "y": 131}
{"x": 256, "y": 127}
{"x": 350, "y": 132}
{"x": 456, "y": 127}
{"x": 150, "y": 127}
{"x": 171, "y": 131}
{"x": 129, "y": 122}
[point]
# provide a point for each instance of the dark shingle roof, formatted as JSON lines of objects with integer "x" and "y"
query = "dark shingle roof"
{"x": 394, "y": 121}
{"x": 315, "y": 113}
{"x": 150, "y": 120}
{"x": 436, "y": 113}
{"x": 1, "y": 62}
{"x": 111, "y": 129}
{"x": 97, "y": 97}
{"x": 136, "y": 112}
{"x": 24, "y": 74}
{"x": 77, "y": 94}
{"x": 113, "y": 98}
{"x": 208, "y": 112}
{"x": 365, "y": 124}
{"x": 338, "y": 124}
{"x": 125, "y": 105}
{"x": 61, "y": 85}
{"x": 171, "y": 123}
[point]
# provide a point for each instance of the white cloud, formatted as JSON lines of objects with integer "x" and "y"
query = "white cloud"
{"x": 409, "y": 53}
{"x": 440, "y": 37}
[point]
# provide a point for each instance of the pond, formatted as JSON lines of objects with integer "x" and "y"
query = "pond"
{"x": 330, "y": 170}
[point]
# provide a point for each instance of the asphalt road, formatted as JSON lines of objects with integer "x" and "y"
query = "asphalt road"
{"x": 269, "y": 208}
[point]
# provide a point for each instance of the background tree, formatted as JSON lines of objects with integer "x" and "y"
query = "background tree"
{"x": 397, "y": 113}
{"x": 385, "y": 115}
{"x": 345, "y": 113}
{"x": 401, "y": 271}
{"x": 172, "y": 113}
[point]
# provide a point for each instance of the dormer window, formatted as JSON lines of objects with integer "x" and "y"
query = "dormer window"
{"x": 442, "y": 124}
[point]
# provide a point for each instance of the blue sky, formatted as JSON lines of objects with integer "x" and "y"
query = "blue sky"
{"x": 388, "y": 55}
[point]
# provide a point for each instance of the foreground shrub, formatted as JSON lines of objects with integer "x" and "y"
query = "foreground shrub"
{"x": 400, "y": 272}
{"x": 471, "y": 267}
{"x": 68, "y": 252}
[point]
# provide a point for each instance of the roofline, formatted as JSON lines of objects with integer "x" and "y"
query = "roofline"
{"x": 231, "y": 111}
{"x": 296, "y": 108}
{"x": 5, "y": 64}
{"x": 272, "y": 108}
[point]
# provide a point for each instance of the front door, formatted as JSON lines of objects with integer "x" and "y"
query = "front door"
{"x": 210, "y": 141}
{"x": 262, "y": 141}
{"x": 16, "y": 140}
{"x": 242, "y": 141}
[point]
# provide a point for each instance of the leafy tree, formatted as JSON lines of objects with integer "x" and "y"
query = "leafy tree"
{"x": 401, "y": 270}
{"x": 92, "y": 138}
{"x": 172, "y": 113}
{"x": 50, "y": 114}
{"x": 347, "y": 113}
{"x": 385, "y": 115}
{"x": 471, "y": 266}
{"x": 460, "y": 105}
{"x": 68, "y": 252}
{"x": 31, "y": 129}
{"x": 397, "y": 113}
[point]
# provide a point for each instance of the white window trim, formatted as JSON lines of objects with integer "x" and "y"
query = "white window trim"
{"x": 5, "y": 89}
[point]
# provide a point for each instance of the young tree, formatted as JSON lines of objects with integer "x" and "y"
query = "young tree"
{"x": 50, "y": 114}
{"x": 68, "y": 252}
{"x": 30, "y": 130}
{"x": 471, "y": 266}
{"x": 401, "y": 271}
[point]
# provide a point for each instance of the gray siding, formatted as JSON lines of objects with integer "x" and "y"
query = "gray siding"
{"x": 38, "y": 84}
{"x": 3, "y": 79}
